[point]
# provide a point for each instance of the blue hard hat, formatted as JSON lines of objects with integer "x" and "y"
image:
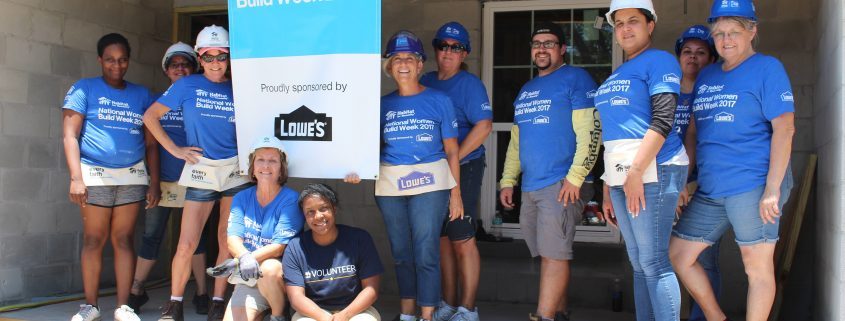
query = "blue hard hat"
{"x": 732, "y": 8}
{"x": 696, "y": 32}
{"x": 452, "y": 30}
{"x": 404, "y": 41}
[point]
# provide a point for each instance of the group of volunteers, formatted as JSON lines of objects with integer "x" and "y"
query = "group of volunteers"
{"x": 708, "y": 139}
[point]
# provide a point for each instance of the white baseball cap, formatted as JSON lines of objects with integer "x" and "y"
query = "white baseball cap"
{"x": 268, "y": 142}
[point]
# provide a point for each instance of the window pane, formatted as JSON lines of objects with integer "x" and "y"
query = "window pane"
{"x": 512, "y": 32}
{"x": 590, "y": 46}
{"x": 506, "y": 85}
{"x": 599, "y": 74}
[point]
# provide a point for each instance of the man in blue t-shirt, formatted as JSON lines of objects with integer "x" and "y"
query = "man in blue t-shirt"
{"x": 554, "y": 144}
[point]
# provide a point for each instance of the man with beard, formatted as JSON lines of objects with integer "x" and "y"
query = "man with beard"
{"x": 554, "y": 143}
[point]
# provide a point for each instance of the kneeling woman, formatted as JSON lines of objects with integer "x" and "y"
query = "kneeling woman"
{"x": 263, "y": 219}
{"x": 332, "y": 271}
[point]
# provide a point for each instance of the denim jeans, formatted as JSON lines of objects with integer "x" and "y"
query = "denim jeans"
{"x": 155, "y": 224}
{"x": 413, "y": 227}
{"x": 657, "y": 295}
{"x": 709, "y": 260}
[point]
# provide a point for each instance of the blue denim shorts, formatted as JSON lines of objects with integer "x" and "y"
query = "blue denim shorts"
{"x": 207, "y": 195}
{"x": 471, "y": 175}
{"x": 706, "y": 219}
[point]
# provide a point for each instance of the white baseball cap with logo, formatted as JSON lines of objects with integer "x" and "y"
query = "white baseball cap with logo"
{"x": 268, "y": 142}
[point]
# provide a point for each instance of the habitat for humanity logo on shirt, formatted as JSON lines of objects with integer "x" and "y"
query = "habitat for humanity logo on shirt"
{"x": 528, "y": 104}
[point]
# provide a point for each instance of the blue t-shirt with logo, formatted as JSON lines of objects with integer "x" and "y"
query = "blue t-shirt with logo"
{"x": 543, "y": 112}
{"x": 332, "y": 274}
{"x": 733, "y": 111}
{"x": 413, "y": 127}
{"x": 469, "y": 96}
{"x": 277, "y": 223}
{"x": 208, "y": 112}
{"x": 682, "y": 114}
{"x": 170, "y": 166}
{"x": 112, "y": 133}
{"x": 624, "y": 99}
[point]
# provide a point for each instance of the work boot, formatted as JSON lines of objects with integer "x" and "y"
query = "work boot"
{"x": 216, "y": 311}
{"x": 561, "y": 316}
{"x": 172, "y": 312}
{"x": 201, "y": 303}
{"x": 87, "y": 312}
{"x": 136, "y": 301}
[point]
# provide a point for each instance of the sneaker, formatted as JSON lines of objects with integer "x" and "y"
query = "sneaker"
{"x": 399, "y": 318}
{"x": 136, "y": 301}
{"x": 561, "y": 316}
{"x": 87, "y": 312}
{"x": 443, "y": 312}
{"x": 465, "y": 314}
{"x": 172, "y": 312}
{"x": 201, "y": 303}
{"x": 277, "y": 318}
{"x": 216, "y": 311}
{"x": 534, "y": 317}
{"x": 125, "y": 313}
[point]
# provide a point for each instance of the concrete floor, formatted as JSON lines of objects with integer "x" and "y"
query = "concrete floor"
{"x": 387, "y": 305}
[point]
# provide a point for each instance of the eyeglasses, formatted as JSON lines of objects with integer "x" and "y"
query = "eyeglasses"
{"x": 544, "y": 44}
{"x": 720, "y": 36}
{"x": 221, "y": 57}
{"x": 180, "y": 65}
{"x": 455, "y": 48}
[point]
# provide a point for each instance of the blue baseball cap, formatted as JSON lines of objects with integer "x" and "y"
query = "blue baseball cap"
{"x": 455, "y": 31}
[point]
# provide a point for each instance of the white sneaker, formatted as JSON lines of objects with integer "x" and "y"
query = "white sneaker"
{"x": 125, "y": 313}
{"x": 86, "y": 312}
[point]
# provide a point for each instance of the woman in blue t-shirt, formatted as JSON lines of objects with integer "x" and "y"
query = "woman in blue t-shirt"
{"x": 331, "y": 271}
{"x": 211, "y": 172}
{"x": 417, "y": 186}
{"x": 645, "y": 162}
{"x": 475, "y": 121}
{"x": 744, "y": 121}
{"x": 105, "y": 144}
{"x": 695, "y": 50}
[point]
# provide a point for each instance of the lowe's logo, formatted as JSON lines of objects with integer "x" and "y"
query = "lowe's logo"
{"x": 415, "y": 179}
{"x": 724, "y": 117}
{"x": 303, "y": 124}
{"x": 619, "y": 101}
{"x": 671, "y": 78}
{"x": 425, "y": 138}
{"x": 786, "y": 96}
{"x": 540, "y": 120}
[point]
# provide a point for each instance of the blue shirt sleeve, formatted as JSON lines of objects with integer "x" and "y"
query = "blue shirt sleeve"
{"x": 448, "y": 120}
{"x": 664, "y": 75}
{"x": 76, "y": 98}
{"x": 477, "y": 107}
{"x": 236, "y": 217}
{"x": 290, "y": 221}
{"x": 776, "y": 96}
{"x": 369, "y": 263}
{"x": 172, "y": 97}
{"x": 291, "y": 264}
{"x": 581, "y": 90}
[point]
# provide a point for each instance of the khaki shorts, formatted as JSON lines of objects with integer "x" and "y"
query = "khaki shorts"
{"x": 245, "y": 296}
{"x": 547, "y": 226}
{"x": 370, "y": 314}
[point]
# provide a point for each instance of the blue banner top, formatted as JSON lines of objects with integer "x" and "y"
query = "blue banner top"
{"x": 283, "y": 28}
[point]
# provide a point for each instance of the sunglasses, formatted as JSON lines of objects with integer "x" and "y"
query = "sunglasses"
{"x": 544, "y": 44}
{"x": 456, "y": 48}
{"x": 221, "y": 57}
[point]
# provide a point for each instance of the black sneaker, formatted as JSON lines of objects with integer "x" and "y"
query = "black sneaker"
{"x": 136, "y": 301}
{"x": 201, "y": 303}
{"x": 216, "y": 311}
{"x": 561, "y": 316}
{"x": 172, "y": 312}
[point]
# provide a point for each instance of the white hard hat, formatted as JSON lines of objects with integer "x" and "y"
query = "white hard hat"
{"x": 268, "y": 142}
{"x": 630, "y": 4}
{"x": 179, "y": 48}
{"x": 212, "y": 36}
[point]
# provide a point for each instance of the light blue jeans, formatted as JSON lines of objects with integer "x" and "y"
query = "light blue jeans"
{"x": 657, "y": 295}
{"x": 413, "y": 227}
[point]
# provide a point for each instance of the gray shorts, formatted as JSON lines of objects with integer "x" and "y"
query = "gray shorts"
{"x": 117, "y": 195}
{"x": 249, "y": 297}
{"x": 547, "y": 226}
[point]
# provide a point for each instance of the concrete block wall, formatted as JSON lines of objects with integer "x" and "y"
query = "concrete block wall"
{"x": 830, "y": 144}
{"x": 45, "y": 46}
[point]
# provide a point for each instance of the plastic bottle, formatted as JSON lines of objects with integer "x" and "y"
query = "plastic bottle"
{"x": 616, "y": 294}
{"x": 497, "y": 225}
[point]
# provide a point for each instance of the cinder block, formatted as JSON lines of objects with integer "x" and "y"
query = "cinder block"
{"x": 15, "y": 19}
{"x": 81, "y": 34}
{"x": 46, "y": 27}
{"x": 47, "y": 280}
{"x": 138, "y": 19}
{"x": 56, "y": 128}
{"x": 42, "y": 219}
{"x": 2, "y": 49}
{"x": 24, "y": 185}
{"x": 14, "y": 217}
{"x": 142, "y": 74}
{"x": 90, "y": 66}
{"x": 25, "y": 120}
{"x": 45, "y": 90}
{"x": 803, "y": 138}
{"x": 72, "y": 8}
{"x": 13, "y": 152}
{"x": 68, "y": 219}
{"x": 13, "y": 86}
{"x": 105, "y": 12}
{"x": 27, "y": 55}
{"x": 65, "y": 62}
{"x": 164, "y": 22}
{"x": 43, "y": 153}
{"x": 62, "y": 248}
{"x": 804, "y": 100}
{"x": 150, "y": 52}
{"x": 11, "y": 284}
{"x": 369, "y": 192}
{"x": 351, "y": 195}
{"x": 59, "y": 184}
{"x": 435, "y": 14}
{"x": 22, "y": 251}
